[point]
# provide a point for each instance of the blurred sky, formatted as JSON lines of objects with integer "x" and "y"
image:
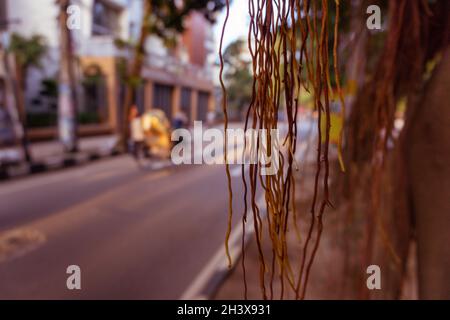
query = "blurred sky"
{"x": 237, "y": 25}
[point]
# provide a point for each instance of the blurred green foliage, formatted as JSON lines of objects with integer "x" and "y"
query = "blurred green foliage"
{"x": 29, "y": 51}
{"x": 238, "y": 76}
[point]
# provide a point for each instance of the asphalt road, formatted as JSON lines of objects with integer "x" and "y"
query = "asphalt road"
{"x": 136, "y": 234}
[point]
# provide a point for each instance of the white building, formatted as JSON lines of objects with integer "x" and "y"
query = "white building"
{"x": 174, "y": 79}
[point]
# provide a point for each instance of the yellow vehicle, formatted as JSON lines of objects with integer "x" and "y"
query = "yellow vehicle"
{"x": 335, "y": 122}
{"x": 157, "y": 133}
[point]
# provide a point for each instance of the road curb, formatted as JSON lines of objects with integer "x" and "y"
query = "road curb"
{"x": 17, "y": 170}
{"x": 216, "y": 271}
{"x": 208, "y": 282}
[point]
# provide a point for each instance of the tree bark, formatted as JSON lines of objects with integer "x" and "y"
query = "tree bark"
{"x": 19, "y": 93}
{"x": 67, "y": 106}
{"x": 428, "y": 158}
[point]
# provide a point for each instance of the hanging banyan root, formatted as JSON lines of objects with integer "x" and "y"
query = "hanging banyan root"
{"x": 288, "y": 44}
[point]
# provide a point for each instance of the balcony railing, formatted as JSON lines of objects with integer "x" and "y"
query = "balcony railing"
{"x": 104, "y": 46}
{"x": 99, "y": 46}
{"x": 176, "y": 66}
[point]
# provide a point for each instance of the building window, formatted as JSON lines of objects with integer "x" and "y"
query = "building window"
{"x": 202, "y": 108}
{"x": 105, "y": 19}
{"x": 94, "y": 108}
{"x": 162, "y": 99}
{"x": 186, "y": 95}
{"x": 139, "y": 97}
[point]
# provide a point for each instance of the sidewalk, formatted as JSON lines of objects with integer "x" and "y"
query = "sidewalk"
{"x": 336, "y": 272}
{"x": 50, "y": 155}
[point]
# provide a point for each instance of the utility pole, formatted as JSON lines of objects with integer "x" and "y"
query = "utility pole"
{"x": 67, "y": 98}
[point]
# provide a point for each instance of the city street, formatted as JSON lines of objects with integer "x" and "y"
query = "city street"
{"x": 136, "y": 234}
{"x": 205, "y": 151}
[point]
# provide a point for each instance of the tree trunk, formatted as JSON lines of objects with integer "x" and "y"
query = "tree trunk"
{"x": 11, "y": 91}
{"x": 19, "y": 93}
{"x": 67, "y": 109}
{"x": 135, "y": 71}
{"x": 428, "y": 155}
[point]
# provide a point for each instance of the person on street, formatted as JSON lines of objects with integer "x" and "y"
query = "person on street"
{"x": 179, "y": 121}
{"x": 210, "y": 118}
{"x": 136, "y": 133}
